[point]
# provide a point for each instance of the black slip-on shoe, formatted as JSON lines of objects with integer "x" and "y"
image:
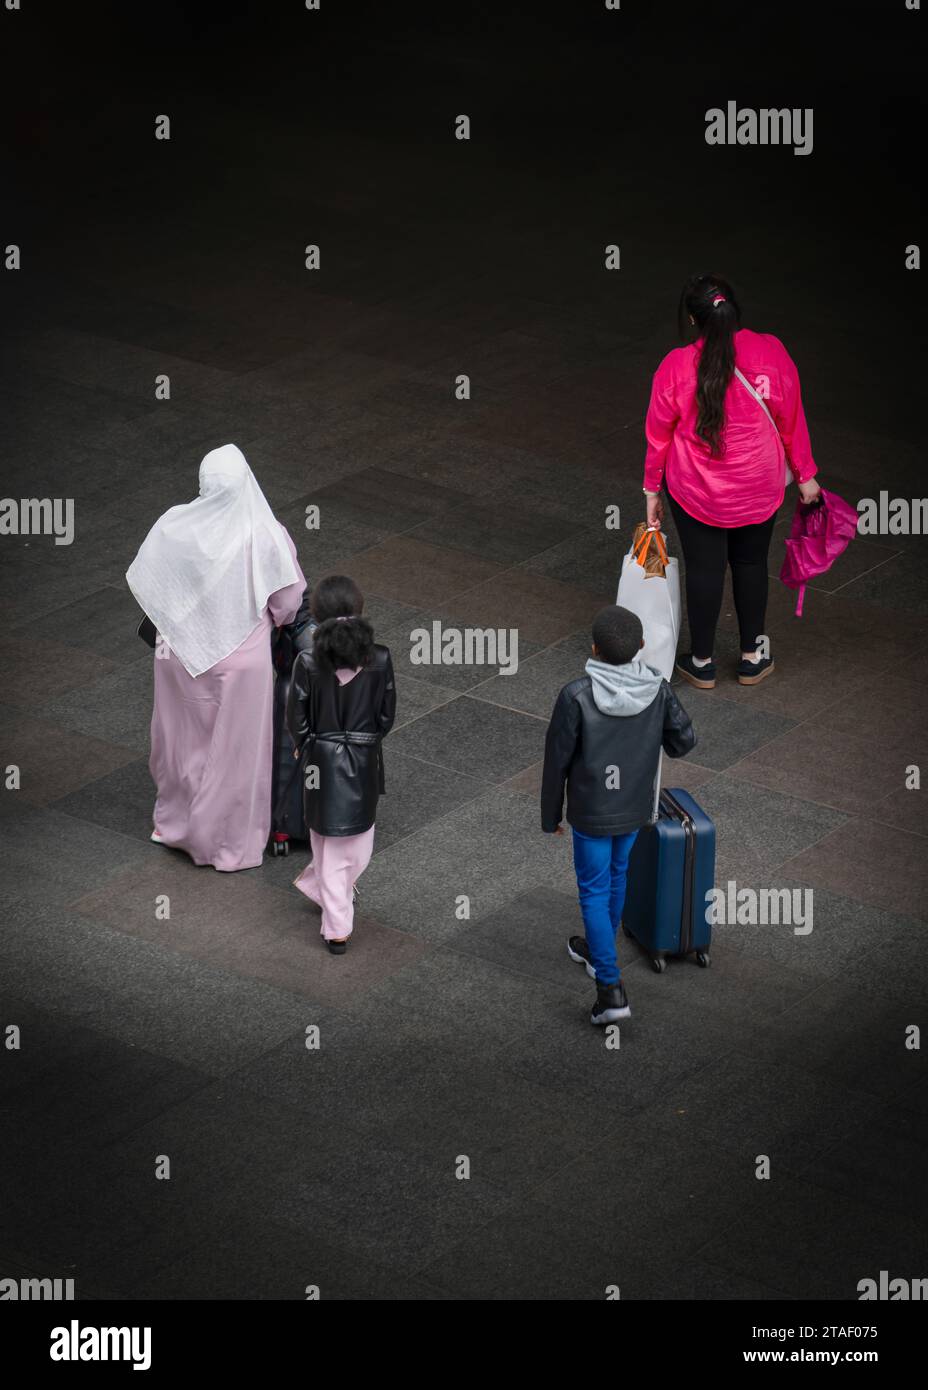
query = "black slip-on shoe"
{"x": 753, "y": 672}
{"x": 579, "y": 951}
{"x": 703, "y": 677}
{"x": 338, "y": 948}
{"x": 611, "y": 1004}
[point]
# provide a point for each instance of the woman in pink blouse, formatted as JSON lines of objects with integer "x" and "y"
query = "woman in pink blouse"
{"x": 723, "y": 447}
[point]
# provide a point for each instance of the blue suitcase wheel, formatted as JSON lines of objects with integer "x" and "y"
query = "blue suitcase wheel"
{"x": 659, "y": 964}
{"x": 703, "y": 958}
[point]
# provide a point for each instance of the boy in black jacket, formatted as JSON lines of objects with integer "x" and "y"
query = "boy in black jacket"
{"x": 604, "y": 742}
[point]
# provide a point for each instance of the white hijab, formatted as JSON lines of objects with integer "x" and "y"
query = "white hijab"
{"x": 207, "y": 567}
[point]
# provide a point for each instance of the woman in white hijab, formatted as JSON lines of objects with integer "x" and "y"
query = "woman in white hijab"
{"x": 213, "y": 575}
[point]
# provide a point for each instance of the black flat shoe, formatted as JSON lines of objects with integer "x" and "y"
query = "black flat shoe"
{"x": 337, "y": 948}
{"x": 703, "y": 677}
{"x": 753, "y": 672}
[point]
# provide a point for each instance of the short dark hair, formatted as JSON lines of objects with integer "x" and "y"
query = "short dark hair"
{"x": 617, "y": 634}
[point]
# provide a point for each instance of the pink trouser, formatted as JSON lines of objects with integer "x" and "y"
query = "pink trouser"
{"x": 338, "y": 860}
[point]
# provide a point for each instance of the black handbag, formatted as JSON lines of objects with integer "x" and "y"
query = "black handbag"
{"x": 148, "y": 632}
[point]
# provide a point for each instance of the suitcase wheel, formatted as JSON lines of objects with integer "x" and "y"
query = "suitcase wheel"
{"x": 280, "y": 847}
{"x": 703, "y": 958}
{"x": 659, "y": 964}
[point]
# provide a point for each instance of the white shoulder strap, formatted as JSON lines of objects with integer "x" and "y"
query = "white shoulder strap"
{"x": 757, "y": 396}
{"x": 787, "y": 471}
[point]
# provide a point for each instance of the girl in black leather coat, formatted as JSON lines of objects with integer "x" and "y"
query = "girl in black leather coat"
{"x": 341, "y": 705}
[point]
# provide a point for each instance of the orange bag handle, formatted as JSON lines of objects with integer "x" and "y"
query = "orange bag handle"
{"x": 644, "y": 544}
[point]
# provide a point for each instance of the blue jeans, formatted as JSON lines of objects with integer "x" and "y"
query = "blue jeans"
{"x": 601, "y": 864}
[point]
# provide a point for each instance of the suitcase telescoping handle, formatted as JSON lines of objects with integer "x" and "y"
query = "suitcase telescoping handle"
{"x": 671, "y": 805}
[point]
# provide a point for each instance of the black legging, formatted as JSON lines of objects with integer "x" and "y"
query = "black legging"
{"x": 706, "y": 552}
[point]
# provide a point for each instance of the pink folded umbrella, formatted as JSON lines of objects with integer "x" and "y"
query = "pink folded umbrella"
{"x": 821, "y": 531}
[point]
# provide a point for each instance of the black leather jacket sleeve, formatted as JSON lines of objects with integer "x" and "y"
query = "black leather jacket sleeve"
{"x": 679, "y": 737}
{"x": 387, "y": 712}
{"x": 560, "y": 747}
{"x": 298, "y": 704}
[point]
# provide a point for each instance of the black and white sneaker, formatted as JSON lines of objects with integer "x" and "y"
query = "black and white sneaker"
{"x": 579, "y": 951}
{"x": 753, "y": 672}
{"x": 703, "y": 677}
{"x": 611, "y": 1004}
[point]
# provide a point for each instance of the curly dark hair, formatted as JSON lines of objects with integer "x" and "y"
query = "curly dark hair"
{"x": 343, "y": 637}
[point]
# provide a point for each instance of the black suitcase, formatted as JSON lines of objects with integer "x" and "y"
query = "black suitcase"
{"x": 287, "y": 787}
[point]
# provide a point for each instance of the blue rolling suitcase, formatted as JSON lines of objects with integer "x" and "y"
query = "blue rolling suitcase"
{"x": 670, "y": 871}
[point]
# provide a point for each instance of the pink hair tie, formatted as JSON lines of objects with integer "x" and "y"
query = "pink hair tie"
{"x": 719, "y": 299}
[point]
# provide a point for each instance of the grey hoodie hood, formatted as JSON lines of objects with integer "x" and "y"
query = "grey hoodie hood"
{"x": 627, "y": 689}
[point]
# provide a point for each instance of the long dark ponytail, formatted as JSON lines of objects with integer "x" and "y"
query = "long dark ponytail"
{"x": 343, "y": 637}
{"x": 710, "y": 301}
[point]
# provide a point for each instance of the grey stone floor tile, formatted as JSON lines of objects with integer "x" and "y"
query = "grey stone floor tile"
{"x": 902, "y": 582}
{"x": 34, "y": 746}
{"x": 430, "y": 660}
{"x": 415, "y": 572}
{"x": 666, "y": 1194}
{"x": 884, "y": 1157}
{"x": 391, "y": 501}
{"x": 116, "y": 708}
{"x": 145, "y": 995}
{"x": 248, "y": 925}
{"x": 90, "y": 1086}
{"x": 856, "y": 1049}
{"x": 829, "y": 766}
{"x": 543, "y": 610}
{"x": 92, "y": 362}
{"x": 331, "y": 547}
{"x": 474, "y": 466}
{"x": 25, "y": 679}
{"x": 73, "y": 858}
{"x": 757, "y": 830}
{"x": 489, "y": 850}
{"x": 815, "y": 1244}
{"x": 749, "y": 1105}
{"x": 507, "y": 535}
{"x": 415, "y": 697}
{"x": 533, "y": 688}
{"x": 726, "y": 731}
{"x": 105, "y": 622}
{"x": 417, "y": 1208}
{"x": 486, "y": 743}
{"x": 901, "y": 809}
{"x": 533, "y": 1254}
{"x": 869, "y": 861}
{"x": 122, "y": 801}
{"x": 418, "y": 792}
{"x": 268, "y": 1261}
{"x": 592, "y": 559}
{"x": 844, "y": 931}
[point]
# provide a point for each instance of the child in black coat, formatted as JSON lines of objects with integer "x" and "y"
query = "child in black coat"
{"x": 342, "y": 704}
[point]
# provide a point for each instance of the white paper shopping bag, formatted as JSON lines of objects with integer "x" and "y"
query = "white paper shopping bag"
{"x": 656, "y": 600}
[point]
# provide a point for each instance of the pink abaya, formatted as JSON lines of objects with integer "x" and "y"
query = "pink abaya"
{"x": 212, "y": 746}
